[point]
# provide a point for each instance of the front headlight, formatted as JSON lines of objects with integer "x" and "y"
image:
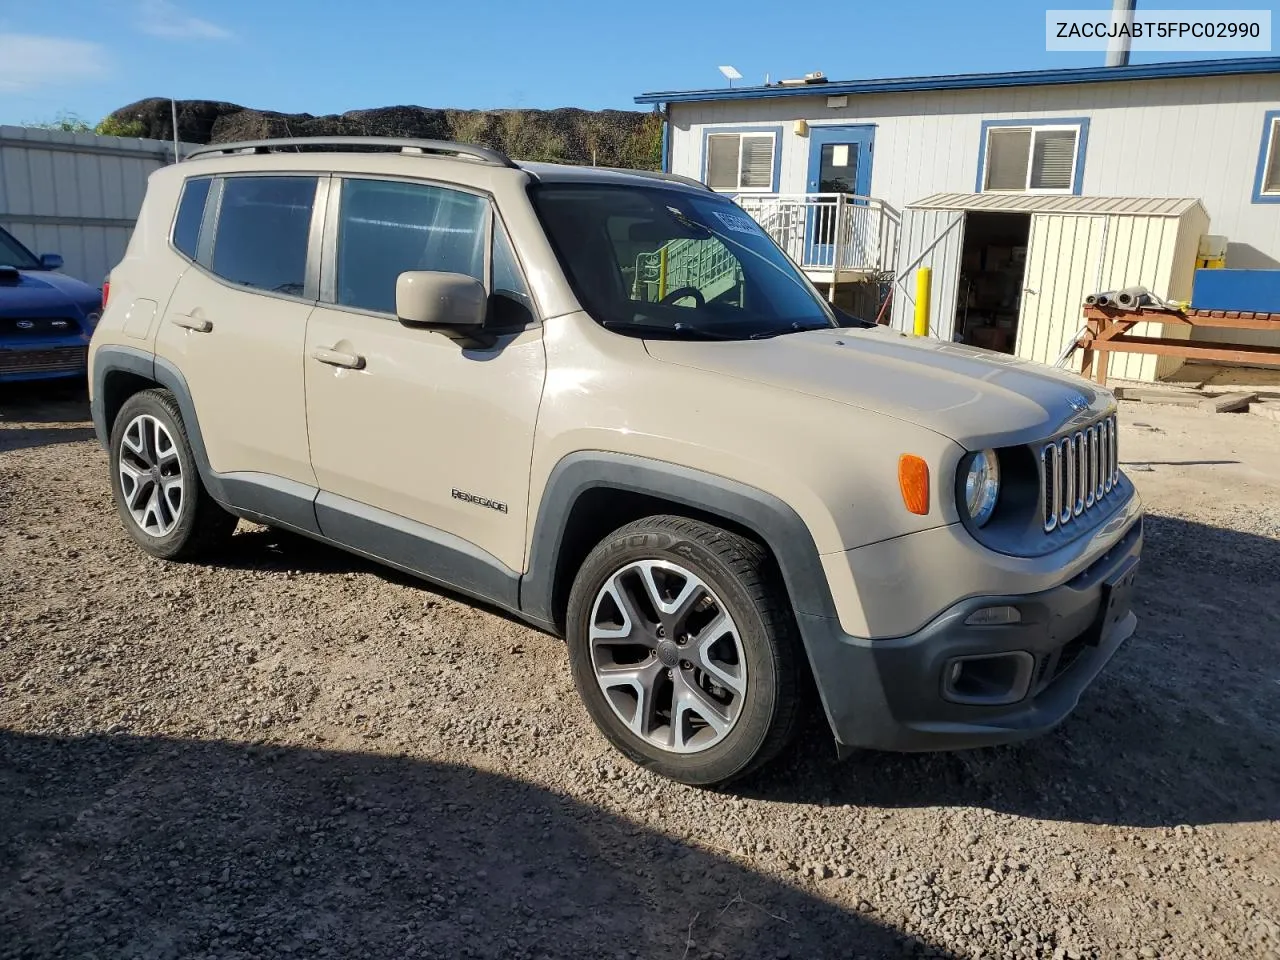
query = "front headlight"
{"x": 982, "y": 486}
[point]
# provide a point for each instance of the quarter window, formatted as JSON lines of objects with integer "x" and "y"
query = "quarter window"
{"x": 740, "y": 161}
{"x": 386, "y": 228}
{"x": 263, "y": 226}
{"x": 1031, "y": 159}
{"x": 510, "y": 304}
{"x": 186, "y": 227}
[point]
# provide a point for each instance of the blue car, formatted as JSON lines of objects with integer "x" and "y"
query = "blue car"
{"x": 46, "y": 319}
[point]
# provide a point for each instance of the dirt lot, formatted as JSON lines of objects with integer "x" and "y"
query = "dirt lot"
{"x": 293, "y": 753}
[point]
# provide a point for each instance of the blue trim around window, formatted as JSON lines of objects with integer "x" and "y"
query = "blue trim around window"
{"x": 1268, "y": 123}
{"x": 1082, "y": 141}
{"x": 776, "y": 130}
{"x": 1226, "y": 67}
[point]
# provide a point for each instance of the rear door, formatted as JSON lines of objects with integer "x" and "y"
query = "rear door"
{"x": 236, "y": 322}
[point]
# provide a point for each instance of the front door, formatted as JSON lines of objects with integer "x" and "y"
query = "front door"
{"x": 421, "y": 446}
{"x": 839, "y": 162}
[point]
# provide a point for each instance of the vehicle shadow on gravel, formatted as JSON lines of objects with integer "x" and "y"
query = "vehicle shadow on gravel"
{"x": 25, "y": 438}
{"x": 45, "y": 401}
{"x": 54, "y": 402}
{"x": 146, "y": 847}
{"x": 1181, "y": 728}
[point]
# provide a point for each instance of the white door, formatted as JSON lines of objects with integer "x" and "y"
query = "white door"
{"x": 1064, "y": 256}
{"x": 934, "y": 239}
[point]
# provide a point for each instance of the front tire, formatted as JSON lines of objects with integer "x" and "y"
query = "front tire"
{"x": 156, "y": 483}
{"x": 684, "y": 649}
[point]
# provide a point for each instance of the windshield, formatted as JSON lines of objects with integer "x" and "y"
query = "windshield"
{"x": 14, "y": 254}
{"x": 658, "y": 262}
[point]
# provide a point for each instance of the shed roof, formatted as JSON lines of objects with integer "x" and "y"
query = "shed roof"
{"x": 1168, "y": 70}
{"x": 1058, "y": 203}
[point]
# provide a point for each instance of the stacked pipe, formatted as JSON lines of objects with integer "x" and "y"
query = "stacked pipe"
{"x": 1128, "y": 299}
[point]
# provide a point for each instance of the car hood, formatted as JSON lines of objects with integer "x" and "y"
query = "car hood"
{"x": 36, "y": 291}
{"x": 976, "y": 397}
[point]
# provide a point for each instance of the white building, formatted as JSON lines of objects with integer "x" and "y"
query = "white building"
{"x": 1192, "y": 130}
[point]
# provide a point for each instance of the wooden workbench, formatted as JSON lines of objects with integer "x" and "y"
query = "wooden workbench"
{"x": 1107, "y": 332}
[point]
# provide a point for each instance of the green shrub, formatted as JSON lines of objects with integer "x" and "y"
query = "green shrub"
{"x": 65, "y": 122}
{"x": 113, "y": 126}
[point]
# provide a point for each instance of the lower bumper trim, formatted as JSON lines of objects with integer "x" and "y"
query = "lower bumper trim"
{"x": 892, "y": 694}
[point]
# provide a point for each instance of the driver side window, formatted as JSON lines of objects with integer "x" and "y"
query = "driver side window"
{"x": 387, "y": 227}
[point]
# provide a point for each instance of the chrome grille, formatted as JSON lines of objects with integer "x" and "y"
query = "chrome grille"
{"x": 1078, "y": 472}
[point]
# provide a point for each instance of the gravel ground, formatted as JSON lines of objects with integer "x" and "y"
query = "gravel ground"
{"x": 294, "y": 753}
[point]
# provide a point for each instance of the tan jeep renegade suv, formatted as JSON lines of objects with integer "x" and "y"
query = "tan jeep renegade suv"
{"x": 606, "y": 402}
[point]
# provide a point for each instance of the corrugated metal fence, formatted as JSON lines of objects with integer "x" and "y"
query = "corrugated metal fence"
{"x": 76, "y": 194}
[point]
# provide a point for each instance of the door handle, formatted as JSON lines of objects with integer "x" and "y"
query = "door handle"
{"x": 336, "y": 358}
{"x": 197, "y": 324}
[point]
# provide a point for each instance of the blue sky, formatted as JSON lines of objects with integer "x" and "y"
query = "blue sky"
{"x": 88, "y": 57}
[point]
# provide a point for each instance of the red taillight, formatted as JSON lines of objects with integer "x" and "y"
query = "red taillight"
{"x": 106, "y": 292}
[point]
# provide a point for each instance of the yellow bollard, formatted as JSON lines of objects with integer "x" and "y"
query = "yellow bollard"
{"x": 662, "y": 273}
{"x": 923, "y": 277}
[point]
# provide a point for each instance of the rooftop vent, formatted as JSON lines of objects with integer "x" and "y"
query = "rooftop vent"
{"x": 816, "y": 77}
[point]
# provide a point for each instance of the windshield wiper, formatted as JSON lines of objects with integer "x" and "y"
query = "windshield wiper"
{"x": 796, "y": 327}
{"x": 679, "y": 330}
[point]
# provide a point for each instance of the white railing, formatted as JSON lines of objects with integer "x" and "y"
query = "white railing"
{"x": 829, "y": 232}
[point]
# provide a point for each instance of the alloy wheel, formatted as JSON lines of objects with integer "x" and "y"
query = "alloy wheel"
{"x": 150, "y": 475}
{"x": 668, "y": 656}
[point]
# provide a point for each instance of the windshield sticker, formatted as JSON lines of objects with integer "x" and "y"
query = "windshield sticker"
{"x": 737, "y": 222}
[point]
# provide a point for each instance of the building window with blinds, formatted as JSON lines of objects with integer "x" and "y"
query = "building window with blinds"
{"x": 1266, "y": 188}
{"x": 1032, "y": 158}
{"x": 741, "y": 162}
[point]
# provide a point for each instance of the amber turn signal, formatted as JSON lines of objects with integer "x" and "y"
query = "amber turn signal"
{"x": 913, "y": 481}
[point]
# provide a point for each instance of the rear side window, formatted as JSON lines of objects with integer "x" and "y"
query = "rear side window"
{"x": 263, "y": 227}
{"x": 186, "y": 228}
{"x": 386, "y": 228}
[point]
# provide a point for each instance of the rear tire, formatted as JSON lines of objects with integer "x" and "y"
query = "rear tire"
{"x": 156, "y": 483}
{"x": 684, "y": 649}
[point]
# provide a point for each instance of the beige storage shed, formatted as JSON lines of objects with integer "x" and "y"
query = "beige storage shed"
{"x": 1010, "y": 271}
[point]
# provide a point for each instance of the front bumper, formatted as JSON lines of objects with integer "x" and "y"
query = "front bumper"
{"x": 43, "y": 358}
{"x": 909, "y": 694}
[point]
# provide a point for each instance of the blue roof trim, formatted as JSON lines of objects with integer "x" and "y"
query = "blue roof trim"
{"x": 973, "y": 81}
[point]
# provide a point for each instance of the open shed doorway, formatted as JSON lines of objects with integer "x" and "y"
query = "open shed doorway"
{"x": 993, "y": 264}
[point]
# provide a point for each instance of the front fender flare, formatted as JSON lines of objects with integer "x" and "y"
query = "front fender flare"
{"x": 771, "y": 519}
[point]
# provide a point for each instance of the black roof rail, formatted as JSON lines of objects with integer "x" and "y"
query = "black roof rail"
{"x": 405, "y": 145}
